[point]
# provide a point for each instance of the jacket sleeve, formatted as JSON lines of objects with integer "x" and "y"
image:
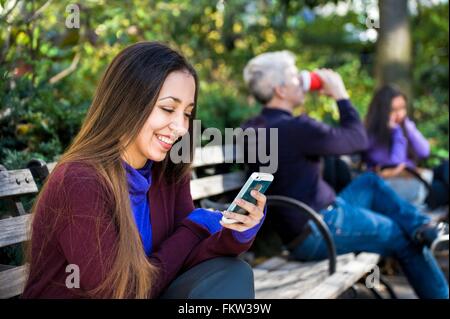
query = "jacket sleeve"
{"x": 417, "y": 140}
{"x": 220, "y": 243}
{"x": 399, "y": 148}
{"x": 191, "y": 242}
{"x": 321, "y": 139}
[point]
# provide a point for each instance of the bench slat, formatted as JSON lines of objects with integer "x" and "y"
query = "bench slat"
{"x": 217, "y": 154}
{"x": 14, "y": 230}
{"x": 12, "y": 281}
{"x": 217, "y": 184}
{"x": 51, "y": 166}
{"x": 276, "y": 283}
{"x": 343, "y": 279}
{"x": 17, "y": 182}
{"x": 284, "y": 279}
{"x": 272, "y": 263}
{"x": 314, "y": 277}
{"x": 292, "y": 290}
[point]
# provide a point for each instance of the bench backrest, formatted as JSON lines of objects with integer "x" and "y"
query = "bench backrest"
{"x": 14, "y": 184}
{"x": 13, "y": 230}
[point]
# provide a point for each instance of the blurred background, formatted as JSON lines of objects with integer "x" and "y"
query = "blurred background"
{"x": 52, "y": 54}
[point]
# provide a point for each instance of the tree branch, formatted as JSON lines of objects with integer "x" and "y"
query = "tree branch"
{"x": 38, "y": 12}
{"x": 67, "y": 71}
{"x": 5, "y": 16}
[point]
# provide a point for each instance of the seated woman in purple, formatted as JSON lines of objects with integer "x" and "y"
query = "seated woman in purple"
{"x": 393, "y": 137}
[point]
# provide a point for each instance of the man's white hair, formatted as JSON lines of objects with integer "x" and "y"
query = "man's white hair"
{"x": 266, "y": 71}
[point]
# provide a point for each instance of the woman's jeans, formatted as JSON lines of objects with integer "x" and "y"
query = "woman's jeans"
{"x": 218, "y": 278}
{"x": 368, "y": 216}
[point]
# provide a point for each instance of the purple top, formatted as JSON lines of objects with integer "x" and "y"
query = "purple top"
{"x": 380, "y": 155}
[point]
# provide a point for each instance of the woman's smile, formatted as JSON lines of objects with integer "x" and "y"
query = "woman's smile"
{"x": 165, "y": 141}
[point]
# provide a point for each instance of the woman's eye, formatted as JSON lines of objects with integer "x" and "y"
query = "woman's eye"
{"x": 188, "y": 115}
{"x": 167, "y": 110}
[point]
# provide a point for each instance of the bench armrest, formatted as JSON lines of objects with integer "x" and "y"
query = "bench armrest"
{"x": 302, "y": 208}
{"x": 38, "y": 169}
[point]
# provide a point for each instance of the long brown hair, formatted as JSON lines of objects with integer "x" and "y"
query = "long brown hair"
{"x": 122, "y": 103}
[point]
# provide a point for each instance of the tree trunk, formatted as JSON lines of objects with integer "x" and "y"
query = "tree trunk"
{"x": 393, "y": 57}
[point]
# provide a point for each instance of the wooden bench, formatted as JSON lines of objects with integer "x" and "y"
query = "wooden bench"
{"x": 277, "y": 277}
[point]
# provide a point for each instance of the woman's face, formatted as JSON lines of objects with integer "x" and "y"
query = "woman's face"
{"x": 398, "y": 110}
{"x": 168, "y": 120}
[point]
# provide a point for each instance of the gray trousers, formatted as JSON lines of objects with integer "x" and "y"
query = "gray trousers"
{"x": 218, "y": 278}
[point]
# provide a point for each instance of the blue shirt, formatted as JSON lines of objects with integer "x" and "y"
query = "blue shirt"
{"x": 139, "y": 182}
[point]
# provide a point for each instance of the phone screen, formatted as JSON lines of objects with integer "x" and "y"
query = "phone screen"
{"x": 259, "y": 185}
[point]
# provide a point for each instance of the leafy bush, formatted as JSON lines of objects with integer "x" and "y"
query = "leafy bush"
{"x": 39, "y": 117}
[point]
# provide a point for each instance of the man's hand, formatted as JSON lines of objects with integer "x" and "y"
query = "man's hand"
{"x": 332, "y": 84}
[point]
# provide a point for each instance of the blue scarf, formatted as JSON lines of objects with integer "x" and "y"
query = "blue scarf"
{"x": 139, "y": 182}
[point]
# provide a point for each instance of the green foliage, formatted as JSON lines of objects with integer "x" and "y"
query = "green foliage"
{"x": 37, "y": 120}
{"x": 430, "y": 107}
{"x": 40, "y": 116}
{"x": 221, "y": 107}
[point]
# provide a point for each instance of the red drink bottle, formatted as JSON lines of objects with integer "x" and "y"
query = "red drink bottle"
{"x": 311, "y": 81}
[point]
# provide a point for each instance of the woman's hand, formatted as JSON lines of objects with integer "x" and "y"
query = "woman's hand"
{"x": 393, "y": 122}
{"x": 245, "y": 222}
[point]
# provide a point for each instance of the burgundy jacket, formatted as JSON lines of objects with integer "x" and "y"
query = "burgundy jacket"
{"x": 74, "y": 215}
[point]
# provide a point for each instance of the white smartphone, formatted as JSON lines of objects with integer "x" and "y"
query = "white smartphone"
{"x": 257, "y": 181}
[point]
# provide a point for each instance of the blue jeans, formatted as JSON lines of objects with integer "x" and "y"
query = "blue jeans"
{"x": 369, "y": 216}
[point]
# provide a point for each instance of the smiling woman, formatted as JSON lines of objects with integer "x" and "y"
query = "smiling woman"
{"x": 120, "y": 210}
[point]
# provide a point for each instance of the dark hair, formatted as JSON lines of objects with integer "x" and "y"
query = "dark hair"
{"x": 377, "y": 118}
{"x": 122, "y": 103}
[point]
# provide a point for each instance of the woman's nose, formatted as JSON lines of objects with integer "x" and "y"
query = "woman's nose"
{"x": 177, "y": 129}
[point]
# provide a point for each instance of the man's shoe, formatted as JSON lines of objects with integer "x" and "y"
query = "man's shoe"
{"x": 431, "y": 233}
{"x": 441, "y": 242}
